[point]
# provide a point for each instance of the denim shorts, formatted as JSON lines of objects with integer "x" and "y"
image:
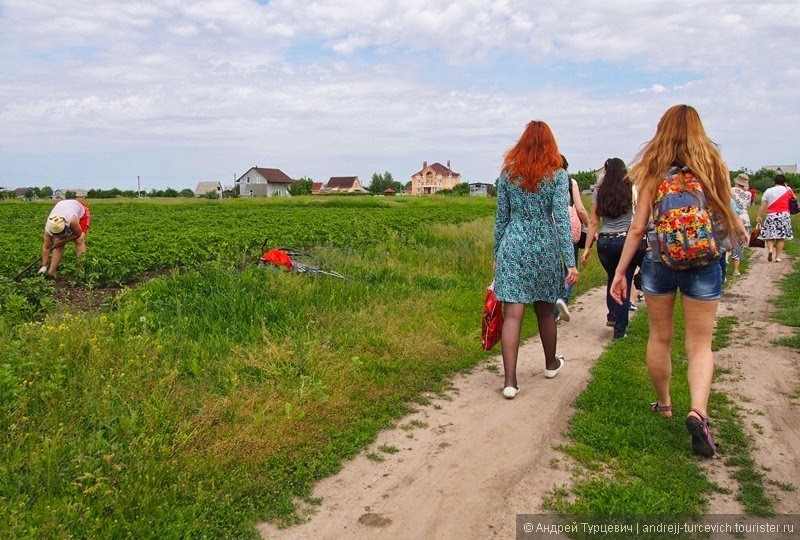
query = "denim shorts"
{"x": 704, "y": 283}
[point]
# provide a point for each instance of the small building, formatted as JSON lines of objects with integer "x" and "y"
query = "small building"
{"x": 389, "y": 192}
{"x": 316, "y": 187}
{"x": 204, "y": 188}
{"x": 784, "y": 168}
{"x": 61, "y": 194}
{"x": 346, "y": 184}
{"x": 262, "y": 182}
{"x": 434, "y": 178}
{"x": 481, "y": 189}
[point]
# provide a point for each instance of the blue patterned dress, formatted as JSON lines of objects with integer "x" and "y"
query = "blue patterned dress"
{"x": 530, "y": 247}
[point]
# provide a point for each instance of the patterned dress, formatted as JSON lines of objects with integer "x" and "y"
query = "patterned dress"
{"x": 778, "y": 221}
{"x": 532, "y": 240}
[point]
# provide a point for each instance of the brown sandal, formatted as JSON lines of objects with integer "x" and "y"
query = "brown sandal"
{"x": 702, "y": 443}
{"x": 661, "y": 409}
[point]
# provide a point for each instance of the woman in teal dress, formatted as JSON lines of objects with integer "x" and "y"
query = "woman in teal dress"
{"x": 532, "y": 245}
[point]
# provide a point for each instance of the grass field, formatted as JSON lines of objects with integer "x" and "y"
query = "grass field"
{"x": 199, "y": 402}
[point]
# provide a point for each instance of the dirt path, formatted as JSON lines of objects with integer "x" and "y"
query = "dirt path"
{"x": 468, "y": 464}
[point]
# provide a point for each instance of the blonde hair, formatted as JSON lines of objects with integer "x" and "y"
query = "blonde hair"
{"x": 681, "y": 140}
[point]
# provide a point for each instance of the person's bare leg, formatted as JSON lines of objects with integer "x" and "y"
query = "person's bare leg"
{"x": 548, "y": 332}
{"x": 509, "y": 340}
{"x": 770, "y": 246}
{"x": 659, "y": 364}
{"x": 699, "y": 317}
{"x": 55, "y": 259}
{"x": 778, "y": 248}
{"x": 80, "y": 247}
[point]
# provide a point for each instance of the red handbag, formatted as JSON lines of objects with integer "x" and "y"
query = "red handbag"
{"x": 492, "y": 325}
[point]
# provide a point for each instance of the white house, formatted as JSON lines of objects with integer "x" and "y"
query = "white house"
{"x": 481, "y": 189}
{"x": 60, "y": 194}
{"x": 261, "y": 182}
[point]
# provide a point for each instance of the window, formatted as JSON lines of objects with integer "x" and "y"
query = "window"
{"x": 247, "y": 182}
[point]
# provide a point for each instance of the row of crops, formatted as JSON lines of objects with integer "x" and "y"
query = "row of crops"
{"x": 129, "y": 239}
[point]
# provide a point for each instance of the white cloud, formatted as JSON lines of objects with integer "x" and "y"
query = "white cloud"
{"x": 319, "y": 86}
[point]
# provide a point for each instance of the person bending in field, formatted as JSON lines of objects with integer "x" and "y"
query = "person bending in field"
{"x": 68, "y": 222}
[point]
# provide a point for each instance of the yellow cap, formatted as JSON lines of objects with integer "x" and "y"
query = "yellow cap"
{"x": 55, "y": 224}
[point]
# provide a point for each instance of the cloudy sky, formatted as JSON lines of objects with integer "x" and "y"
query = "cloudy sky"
{"x": 95, "y": 93}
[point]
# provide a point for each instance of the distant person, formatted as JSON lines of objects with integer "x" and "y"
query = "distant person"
{"x": 532, "y": 245}
{"x": 612, "y": 204}
{"x": 68, "y": 222}
{"x": 561, "y": 311}
{"x": 753, "y": 195}
{"x": 740, "y": 195}
{"x": 777, "y": 225}
{"x": 681, "y": 149}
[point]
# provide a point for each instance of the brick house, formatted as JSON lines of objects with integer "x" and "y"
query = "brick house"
{"x": 433, "y": 178}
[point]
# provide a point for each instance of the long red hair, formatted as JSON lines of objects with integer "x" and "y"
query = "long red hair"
{"x": 534, "y": 157}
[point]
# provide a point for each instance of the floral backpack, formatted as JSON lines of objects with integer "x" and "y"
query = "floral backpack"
{"x": 683, "y": 231}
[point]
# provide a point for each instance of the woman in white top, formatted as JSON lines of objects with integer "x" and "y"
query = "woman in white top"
{"x": 777, "y": 226}
{"x": 68, "y": 222}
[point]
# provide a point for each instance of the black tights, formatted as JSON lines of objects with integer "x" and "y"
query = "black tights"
{"x": 509, "y": 340}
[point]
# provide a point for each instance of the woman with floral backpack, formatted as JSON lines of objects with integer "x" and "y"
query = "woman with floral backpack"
{"x": 681, "y": 152}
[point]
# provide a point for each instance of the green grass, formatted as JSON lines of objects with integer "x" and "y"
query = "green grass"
{"x": 206, "y": 400}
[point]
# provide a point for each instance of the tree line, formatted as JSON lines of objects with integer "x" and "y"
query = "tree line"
{"x": 761, "y": 180}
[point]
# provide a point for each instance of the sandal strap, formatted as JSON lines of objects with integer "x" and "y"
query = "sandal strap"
{"x": 660, "y": 408}
{"x": 700, "y": 416}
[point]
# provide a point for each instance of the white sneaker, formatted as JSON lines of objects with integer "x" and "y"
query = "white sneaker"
{"x": 510, "y": 392}
{"x": 563, "y": 310}
{"x": 550, "y": 373}
{"x": 632, "y": 307}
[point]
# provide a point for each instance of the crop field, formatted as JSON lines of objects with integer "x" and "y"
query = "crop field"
{"x": 196, "y": 403}
{"x": 127, "y": 239}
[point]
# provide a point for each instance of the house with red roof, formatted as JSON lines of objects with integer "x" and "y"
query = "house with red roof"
{"x": 344, "y": 184}
{"x": 433, "y": 178}
{"x": 263, "y": 182}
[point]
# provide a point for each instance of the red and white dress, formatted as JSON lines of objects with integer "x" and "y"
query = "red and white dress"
{"x": 778, "y": 221}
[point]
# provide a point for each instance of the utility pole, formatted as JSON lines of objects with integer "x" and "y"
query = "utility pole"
{"x": 138, "y": 187}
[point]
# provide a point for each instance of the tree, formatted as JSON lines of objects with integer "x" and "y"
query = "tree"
{"x": 300, "y": 187}
{"x": 70, "y": 195}
{"x": 380, "y": 182}
{"x": 764, "y": 179}
{"x": 169, "y": 192}
{"x": 46, "y": 192}
{"x": 186, "y": 192}
{"x": 461, "y": 189}
{"x": 585, "y": 179}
